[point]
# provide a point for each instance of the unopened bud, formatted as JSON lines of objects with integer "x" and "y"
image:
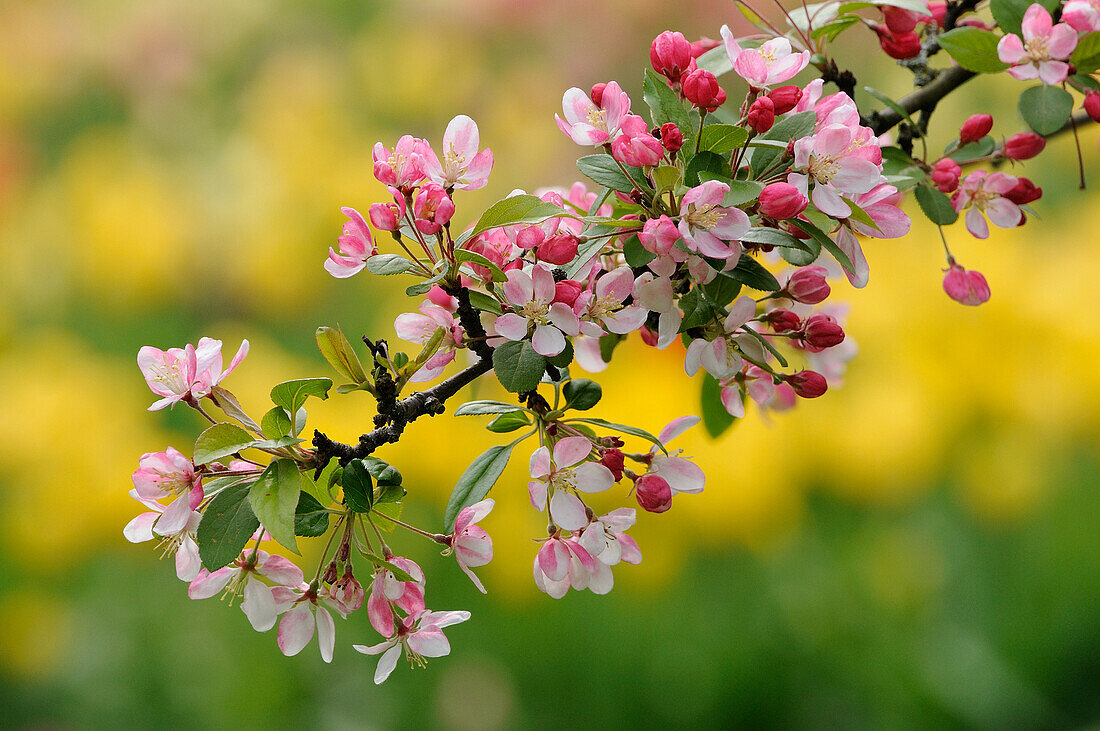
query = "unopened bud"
{"x": 974, "y": 128}
{"x": 898, "y": 45}
{"x": 783, "y": 320}
{"x": 567, "y": 290}
{"x": 808, "y": 384}
{"x": 1024, "y": 146}
{"x": 671, "y": 137}
{"x": 822, "y": 331}
{"x": 659, "y": 235}
{"x": 653, "y": 493}
{"x": 945, "y": 175}
{"x": 613, "y": 460}
{"x": 965, "y": 287}
{"x": 761, "y": 115}
{"x": 670, "y": 54}
{"x": 701, "y": 89}
{"x": 597, "y": 94}
{"x": 1092, "y": 105}
{"x": 808, "y": 285}
{"x": 780, "y": 201}
{"x": 785, "y": 98}
{"x": 559, "y": 249}
{"x": 649, "y": 336}
{"x": 1024, "y": 192}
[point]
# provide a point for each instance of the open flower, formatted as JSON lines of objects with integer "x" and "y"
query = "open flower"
{"x": 356, "y": 245}
{"x": 835, "y": 161}
{"x": 421, "y": 636}
{"x": 420, "y": 328}
{"x": 709, "y": 227}
{"x": 532, "y": 299}
{"x": 404, "y": 167}
{"x": 471, "y": 544}
{"x": 386, "y": 590}
{"x": 1043, "y": 52}
{"x": 587, "y": 123}
{"x": 567, "y": 470}
{"x": 602, "y": 309}
{"x": 773, "y": 63}
{"x": 240, "y": 578}
{"x": 208, "y": 365}
{"x": 462, "y": 167}
{"x": 681, "y": 474}
{"x": 981, "y": 194}
{"x": 303, "y": 608}
{"x": 184, "y": 373}
{"x": 562, "y": 563}
{"x": 720, "y": 356}
{"x": 178, "y": 541}
{"x": 167, "y": 474}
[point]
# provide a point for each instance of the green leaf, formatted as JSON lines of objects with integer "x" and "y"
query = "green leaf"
{"x": 340, "y": 355}
{"x": 1009, "y": 14}
{"x": 705, "y": 162}
{"x": 387, "y": 264}
{"x": 484, "y": 302}
{"x": 517, "y": 209}
{"x": 752, "y": 273}
{"x": 388, "y": 494}
{"x": 741, "y": 191}
{"x": 226, "y": 526}
{"x": 1046, "y": 108}
{"x": 228, "y": 403}
{"x": 476, "y": 408}
{"x": 973, "y": 151}
{"x": 722, "y": 138}
{"x": 716, "y": 420}
{"x": 665, "y": 105}
{"x": 476, "y": 481}
{"x": 582, "y": 394}
{"x": 697, "y": 311}
{"x": 831, "y": 30}
{"x": 385, "y": 474}
{"x": 415, "y": 290}
{"x": 789, "y": 128}
{"x": 667, "y": 177}
{"x": 465, "y": 255}
{"x": 974, "y": 49}
{"x": 721, "y": 290}
{"x": 358, "y": 486}
{"x": 603, "y": 170}
{"x": 291, "y": 395}
{"x": 211, "y": 485}
{"x": 716, "y": 61}
{"x": 276, "y": 423}
{"x": 220, "y": 440}
{"x": 310, "y": 517}
{"x": 773, "y": 237}
{"x": 608, "y": 343}
{"x": 936, "y": 206}
{"x": 827, "y": 243}
{"x": 509, "y": 422}
{"x": 1086, "y": 57}
{"x": 274, "y": 498}
{"x": 636, "y": 255}
{"x": 518, "y": 367}
{"x": 632, "y": 430}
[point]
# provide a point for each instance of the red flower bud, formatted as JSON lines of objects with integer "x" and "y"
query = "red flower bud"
{"x": 671, "y": 137}
{"x": 761, "y": 115}
{"x": 974, "y": 128}
{"x": 898, "y": 45}
{"x": 822, "y": 331}
{"x": 530, "y": 237}
{"x": 701, "y": 89}
{"x": 945, "y": 175}
{"x": 612, "y": 459}
{"x": 560, "y": 249}
{"x": 785, "y": 98}
{"x": 899, "y": 20}
{"x": 808, "y": 285}
{"x": 780, "y": 201}
{"x": 567, "y": 290}
{"x": 965, "y": 287}
{"x": 670, "y": 54}
{"x": 1024, "y": 192}
{"x": 808, "y": 384}
{"x": 1092, "y": 105}
{"x": 653, "y": 493}
{"x": 597, "y": 94}
{"x": 1024, "y": 146}
{"x": 783, "y": 320}
{"x": 649, "y": 336}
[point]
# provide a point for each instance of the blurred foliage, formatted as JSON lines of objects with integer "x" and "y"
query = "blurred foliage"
{"x": 916, "y": 549}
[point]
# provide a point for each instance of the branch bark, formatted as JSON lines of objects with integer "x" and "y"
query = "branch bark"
{"x": 922, "y": 100}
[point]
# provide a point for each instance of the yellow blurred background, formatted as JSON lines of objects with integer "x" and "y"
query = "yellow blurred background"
{"x": 917, "y": 548}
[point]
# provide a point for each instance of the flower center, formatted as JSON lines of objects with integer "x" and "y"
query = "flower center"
{"x": 598, "y": 119}
{"x": 603, "y": 306}
{"x": 454, "y": 164}
{"x": 563, "y": 478}
{"x": 1037, "y": 50}
{"x": 704, "y": 218}
{"x": 822, "y": 168}
{"x": 170, "y": 375}
{"x": 536, "y": 311}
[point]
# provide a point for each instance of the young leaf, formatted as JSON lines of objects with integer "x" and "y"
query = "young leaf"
{"x": 705, "y": 162}
{"x": 665, "y": 105}
{"x": 358, "y": 486}
{"x": 274, "y": 498}
{"x": 722, "y": 138}
{"x": 827, "y": 243}
{"x": 385, "y": 474}
{"x": 1009, "y": 14}
{"x": 582, "y": 394}
{"x": 716, "y": 420}
{"x": 338, "y": 352}
{"x": 603, "y": 170}
{"x": 1086, "y": 57}
{"x": 291, "y": 395}
{"x": 476, "y": 481}
{"x": 517, "y": 209}
{"x": 221, "y": 440}
{"x": 226, "y": 526}
{"x": 973, "y": 151}
{"x": 697, "y": 312}
{"x": 388, "y": 494}
{"x": 475, "y": 258}
{"x": 973, "y": 49}
{"x": 635, "y": 254}
{"x": 484, "y": 302}
{"x": 1046, "y": 108}
{"x": 632, "y": 430}
{"x": 509, "y": 422}
{"x": 518, "y": 367}
{"x": 276, "y": 423}
{"x": 716, "y": 61}
{"x": 475, "y": 408}
{"x": 936, "y": 206}
{"x": 752, "y": 273}
{"x": 310, "y": 517}
{"x": 721, "y": 290}
{"x": 387, "y": 264}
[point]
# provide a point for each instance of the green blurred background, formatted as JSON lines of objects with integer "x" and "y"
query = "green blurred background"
{"x": 917, "y": 549}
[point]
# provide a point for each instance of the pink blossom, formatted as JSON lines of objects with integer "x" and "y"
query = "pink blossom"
{"x": 720, "y": 356}
{"x": 655, "y": 295}
{"x": 304, "y": 608}
{"x": 1044, "y": 49}
{"x": 773, "y": 63}
{"x": 808, "y": 384}
{"x": 602, "y": 309}
{"x": 432, "y": 209}
{"x": 606, "y": 540}
{"x": 781, "y": 201}
{"x": 562, "y": 563}
{"x": 472, "y": 545}
{"x": 178, "y": 541}
{"x": 981, "y": 194}
{"x": 240, "y": 578}
{"x": 385, "y": 216}
{"x": 753, "y": 381}
{"x": 587, "y": 123}
{"x": 167, "y": 474}
{"x": 761, "y": 115}
{"x": 532, "y": 299}
{"x": 188, "y": 373}
{"x": 709, "y": 227}
{"x": 965, "y": 286}
{"x": 659, "y": 235}
{"x": 808, "y": 286}
{"x": 208, "y": 365}
{"x": 636, "y": 146}
{"x": 670, "y": 55}
{"x": 356, "y": 246}
{"x": 420, "y": 328}
{"x": 404, "y": 167}
{"x": 653, "y": 493}
{"x": 1082, "y": 15}
{"x": 833, "y": 160}
{"x": 387, "y": 591}
{"x": 421, "y": 635}
{"x": 974, "y": 128}
{"x": 700, "y": 87}
{"x": 945, "y": 175}
{"x": 568, "y": 470}
{"x": 463, "y": 167}
{"x": 681, "y": 474}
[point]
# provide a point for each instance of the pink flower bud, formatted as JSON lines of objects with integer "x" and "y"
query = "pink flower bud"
{"x": 530, "y": 237}
{"x": 783, "y": 320}
{"x": 653, "y": 493}
{"x": 636, "y": 146}
{"x": 559, "y": 249}
{"x": 701, "y": 89}
{"x": 945, "y": 175}
{"x": 780, "y": 201}
{"x": 974, "y": 128}
{"x": 822, "y": 331}
{"x": 567, "y": 290}
{"x": 899, "y": 20}
{"x": 1024, "y": 146}
{"x": 937, "y": 11}
{"x": 649, "y": 336}
{"x": 432, "y": 208}
{"x": 898, "y": 45}
{"x": 785, "y": 98}
{"x": 597, "y": 94}
{"x": 808, "y": 384}
{"x": 613, "y": 459}
{"x": 1092, "y": 105}
{"x": 761, "y": 115}
{"x": 659, "y": 235}
{"x": 965, "y": 287}
{"x": 1024, "y": 192}
{"x": 671, "y": 137}
{"x": 384, "y": 216}
{"x": 808, "y": 285}
{"x": 670, "y": 54}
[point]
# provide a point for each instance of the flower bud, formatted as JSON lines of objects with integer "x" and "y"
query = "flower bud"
{"x": 383, "y": 216}
{"x": 636, "y": 146}
{"x": 974, "y": 128}
{"x": 945, "y": 175}
{"x": 761, "y": 115}
{"x": 1024, "y": 192}
{"x": 649, "y": 336}
{"x": 653, "y": 493}
{"x": 785, "y": 98}
{"x": 432, "y": 208}
{"x": 670, "y": 54}
{"x": 780, "y": 201}
{"x": 613, "y": 459}
{"x": 559, "y": 249}
{"x": 808, "y": 384}
{"x": 808, "y": 285}
{"x": 1024, "y": 146}
{"x": 567, "y": 290}
{"x": 965, "y": 287}
{"x": 1092, "y": 105}
{"x": 659, "y": 235}
{"x": 822, "y": 331}
{"x": 898, "y": 45}
{"x": 701, "y": 89}
{"x": 899, "y": 20}
{"x": 782, "y": 320}
{"x": 530, "y": 237}
{"x": 671, "y": 137}
{"x": 937, "y": 11}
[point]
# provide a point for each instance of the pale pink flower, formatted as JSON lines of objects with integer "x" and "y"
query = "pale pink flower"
{"x": 753, "y": 381}
{"x": 707, "y": 226}
{"x": 562, "y": 563}
{"x": 569, "y": 469}
{"x": 834, "y": 161}
{"x": 208, "y": 365}
{"x": 681, "y": 474}
{"x": 386, "y": 590}
{"x": 404, "y": 167}
{"x": 304, "y": 608}
{"x": 1082, "y": 15}
{"x": 463, "y": 167}
{"x": 180, "y": 541}
{"x": 1043, "y": 52}
{"x": 471, "y": 544}
{"x": 606, "y": 540}
{"x": 602, "y": 308}
{"x": 588, "y": 124}
{"x": 659, "y": 235}
{"x": 532, "y": 299}
{"x": 356, "y": 246}
{"x": 655, "y": 294}
{"x": 587, "y": 352}
{"x": 720, "y": 357}
{"x": 169, "y": 474}
{"x": 420, "y": 328}
{"x": 981, "y": 194}
{"x": 421, "y": 635}
{"x": 185, "y": 373}
{"x": 773, "y": 63}
{"x": 240, "y": 578}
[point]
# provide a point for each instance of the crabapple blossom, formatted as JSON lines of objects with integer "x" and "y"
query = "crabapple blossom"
{"x": 404, "y": 167}
{"x": 785, "y": 98}
{"x": 701, "y": 88}
{"x": 386, "y": 590}
{"x": 1092, "y": 105}
{"x": 781, "y": 201}
{"x": 808, "y": 286}
{"x": 240, "y": 579}
{"x": 1044, "y": 50}
{"x": 672, "y": 139}
{"x": 432, "y": 209}
{"x": 653, "y": 493}
{"x": 532, "y": 299}
{"x": 420, "y": 328}
{"x": 606, "y": 540}
{"x": 1024, "y": 192}
{"x": 471, "y": 544}
{"x": 178, "y": 541}
{"x": 462, "y": 167}
{"x": 833, "y": 160}
{"x": 356, "y": 246}
{"x": 1082, "y": 15}
{"x": 773, "y": 63}
{"x": 974, "y": 128}
{"x": 945, "y": 175}
{"x": 965, "y": 286}
{"x": 187, "y": 373}
{"x": 659, "y": 235}
{"x": 602, "y": 309}
{"x": 719, "y": 357}
{"x": 636, "y": 146}
{"x": 387, "y": 216}
{"x": 208, "y": 365}
{"x": 1024, "y": 146}
{"x": 568, "y": 469}
{"x": 562, "y": 563}
{"x": 655, "y": 294}
{"x": 421, "y": 635}
{"x": 981, "y": 194}
{"x": 709, "y": 227}
{"x": 302, "y": 609}
{"x": 900, "y": 46}
{"x": 166, "y": 474}
{"x": 589, "y": 123}
{"x": 808, "y": 384}
{"x": 681, "y": 474}
{"x": 670, "y": 55}
{"x": 761, "y": 115}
